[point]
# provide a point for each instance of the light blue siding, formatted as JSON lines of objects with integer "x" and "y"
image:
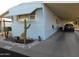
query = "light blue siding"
{"x": 50, "y": 19}
{"x": 42, "y": 26}
{"x": 36, "y": 29}
{"x": 17, "y": 27}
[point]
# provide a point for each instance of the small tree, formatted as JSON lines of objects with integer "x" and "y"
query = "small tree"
{"x": 26, "y": 26}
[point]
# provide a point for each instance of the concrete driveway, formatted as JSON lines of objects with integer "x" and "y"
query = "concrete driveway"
{"x": 61, "y": 44}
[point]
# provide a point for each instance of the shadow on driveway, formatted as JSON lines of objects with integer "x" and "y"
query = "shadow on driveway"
{"x": 7, "y": 53}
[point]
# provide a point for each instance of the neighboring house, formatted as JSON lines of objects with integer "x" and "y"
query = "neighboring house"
{"x": 6, "y": 21}
{"x": 43, "y": 21}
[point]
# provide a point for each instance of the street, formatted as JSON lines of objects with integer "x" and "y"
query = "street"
{"x": 62, "y": 44}
{"x": 67, "y": 45}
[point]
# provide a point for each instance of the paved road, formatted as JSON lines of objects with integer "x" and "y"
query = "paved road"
{"x": 61, "y": 44}
{"x": 67, "y": 45}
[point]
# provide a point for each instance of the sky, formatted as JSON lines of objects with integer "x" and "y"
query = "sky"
{"x": 6, "y": 4}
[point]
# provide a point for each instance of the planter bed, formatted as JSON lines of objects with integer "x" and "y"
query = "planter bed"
{"x": 20, "y": 40}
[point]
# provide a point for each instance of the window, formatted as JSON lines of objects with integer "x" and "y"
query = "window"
{"x": 22, "y": 18}
{"x": 32, "y": 16}
{"x": 29, "y": 17}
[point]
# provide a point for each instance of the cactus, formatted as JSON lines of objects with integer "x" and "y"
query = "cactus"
{"x": 25, "y": 30}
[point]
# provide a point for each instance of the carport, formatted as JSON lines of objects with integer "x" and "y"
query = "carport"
{"x": 67, "y": 12}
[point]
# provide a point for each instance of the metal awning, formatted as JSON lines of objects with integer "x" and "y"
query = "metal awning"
{"x": 26, "y": 8}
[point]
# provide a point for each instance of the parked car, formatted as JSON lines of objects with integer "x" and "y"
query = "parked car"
{"x": 69, "y": 27}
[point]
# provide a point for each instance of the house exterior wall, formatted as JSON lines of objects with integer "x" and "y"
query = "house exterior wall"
{"x": 42, "y": 26}
{"x": 8, "y": 23}
{"x": 17, "y": 27}
{"x": 36, "y": 29}
{"x": 50, "y": 19}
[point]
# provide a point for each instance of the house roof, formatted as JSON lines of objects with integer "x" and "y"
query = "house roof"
{"x": 24, "y": 8}
{"x": 5, "y": 14}
{"x": 62, "y": 10}
{"x": 66, "y": 11}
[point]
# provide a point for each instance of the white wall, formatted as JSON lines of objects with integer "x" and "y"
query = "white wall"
{"x": 50, "y": 19}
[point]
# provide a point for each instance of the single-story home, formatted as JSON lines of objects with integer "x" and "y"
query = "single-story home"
{"x": 6, "y": 21}
{"x": 44, "y": 22}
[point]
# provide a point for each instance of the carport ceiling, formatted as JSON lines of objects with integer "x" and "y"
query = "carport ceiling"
{"x": 65, "y": 10}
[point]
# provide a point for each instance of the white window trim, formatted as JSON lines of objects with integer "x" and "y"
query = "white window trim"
{"x": 29, "y": 19}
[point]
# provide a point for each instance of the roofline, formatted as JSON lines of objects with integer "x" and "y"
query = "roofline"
{"x": 4, "y": 13}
